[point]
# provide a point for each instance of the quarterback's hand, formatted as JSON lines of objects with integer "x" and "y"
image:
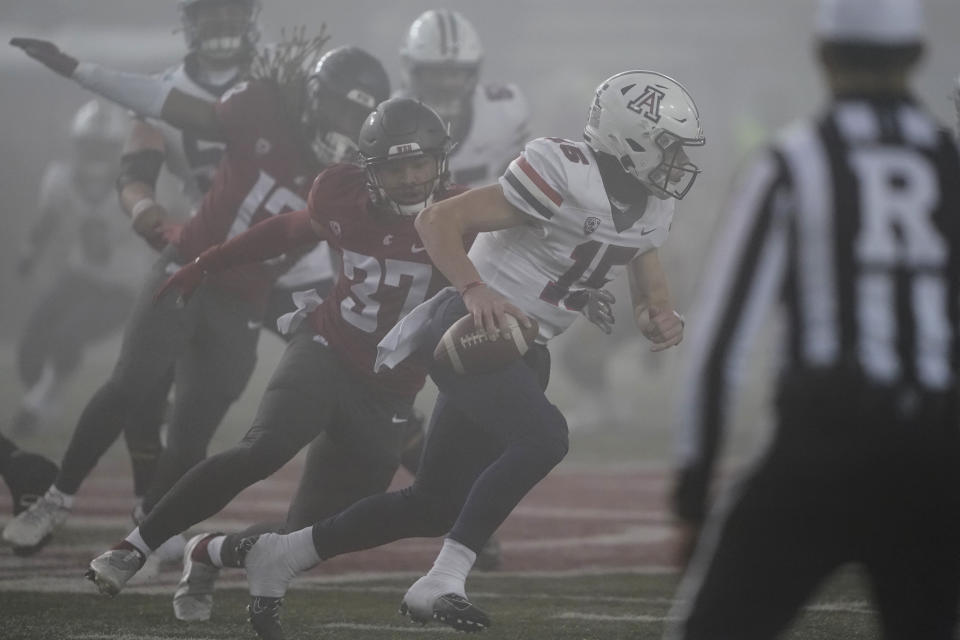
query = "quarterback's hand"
{"x": 594, "y": 304}
{"x": 47, "y": 53}
{"x": 662, "y": 327}
{"x": 185, "y": 281}
{"x": 489, "y": 310}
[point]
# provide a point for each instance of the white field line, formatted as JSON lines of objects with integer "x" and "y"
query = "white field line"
{"x": 858, "y": 607}
{"x": 413, "y": 628}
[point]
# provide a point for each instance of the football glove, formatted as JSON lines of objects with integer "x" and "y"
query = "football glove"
{"x": 186, "y": 280}
{"x": 594, "y": 304}
{"x": 47, "y": 53}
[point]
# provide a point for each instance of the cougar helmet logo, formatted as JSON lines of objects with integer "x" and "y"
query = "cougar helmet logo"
{"x": 647, "y": 104}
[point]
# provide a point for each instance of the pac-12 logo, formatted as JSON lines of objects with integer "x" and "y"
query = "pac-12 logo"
{"x": 647, "y": 103}
{"x": 590, "y": 224}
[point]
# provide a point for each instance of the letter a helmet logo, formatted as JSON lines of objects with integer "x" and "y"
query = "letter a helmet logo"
{"x": 647, "y": 103}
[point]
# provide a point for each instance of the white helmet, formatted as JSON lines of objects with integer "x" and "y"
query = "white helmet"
{"x": 644, "y": 119}
{"x": 97, "y": 131}
{"x": 441, "y": 60}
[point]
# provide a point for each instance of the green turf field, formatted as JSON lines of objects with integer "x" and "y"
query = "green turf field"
{"x": 602, "y": 607}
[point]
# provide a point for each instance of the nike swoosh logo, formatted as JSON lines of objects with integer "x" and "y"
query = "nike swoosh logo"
{"x": 646, "y": 232}
{"x": 416, "y": 249}
{"x": 397, "y": 420}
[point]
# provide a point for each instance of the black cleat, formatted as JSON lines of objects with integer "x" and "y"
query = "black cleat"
{"x": 454, "y": 611}
{"x": 28, "y": 475}
{"x": 264, "y": 617}
{"x": 458, "y": 612}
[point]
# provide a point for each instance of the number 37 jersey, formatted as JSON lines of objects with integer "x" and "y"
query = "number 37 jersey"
{"x": 575, "y": 237}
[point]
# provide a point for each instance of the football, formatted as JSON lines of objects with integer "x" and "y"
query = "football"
{"x": 465, "y": 349}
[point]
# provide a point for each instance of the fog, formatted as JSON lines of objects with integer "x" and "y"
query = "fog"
{"x": 748, "y": 64}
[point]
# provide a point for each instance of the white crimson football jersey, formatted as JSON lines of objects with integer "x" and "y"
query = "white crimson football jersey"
{"x": 191, "y": 160}
{"x": 576, "y": 237}
{"x": 92, "y": 238}
{"x": 498, "y": 130}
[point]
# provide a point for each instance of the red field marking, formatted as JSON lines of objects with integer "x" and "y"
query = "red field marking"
{"x": 575, "y": 519}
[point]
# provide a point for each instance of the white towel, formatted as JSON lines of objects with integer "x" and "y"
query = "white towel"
{"x": 407, "y": 335}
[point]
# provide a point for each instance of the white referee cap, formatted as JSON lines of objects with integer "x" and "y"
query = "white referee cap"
{"x": 871, "y": 22}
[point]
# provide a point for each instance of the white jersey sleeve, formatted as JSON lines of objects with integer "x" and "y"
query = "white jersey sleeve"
{"x": 535, "y": 181}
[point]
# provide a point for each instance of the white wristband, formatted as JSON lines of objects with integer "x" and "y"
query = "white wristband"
{"x": 679, "y": 315}
{"x": 141, "y": 205}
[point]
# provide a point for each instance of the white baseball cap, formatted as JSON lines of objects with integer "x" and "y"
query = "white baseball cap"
{"x": 872, "y": 22}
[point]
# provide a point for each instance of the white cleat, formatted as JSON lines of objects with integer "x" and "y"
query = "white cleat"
{"x": 193, "y": 600}
{"x": 169, "y": 553}
{"x": 110, "y": 571}
{"x": 432, "y": 599}
{"x": 37, "y": 523}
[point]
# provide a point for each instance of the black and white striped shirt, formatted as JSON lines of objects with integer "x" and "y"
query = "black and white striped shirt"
{"x": 851, "y": 222}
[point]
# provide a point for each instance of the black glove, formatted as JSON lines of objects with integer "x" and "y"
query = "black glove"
{"x": 47, "y": 53}
{"x": 594, "y": 304}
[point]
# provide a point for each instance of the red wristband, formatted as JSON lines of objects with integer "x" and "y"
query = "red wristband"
{"x": 471, "y": 285}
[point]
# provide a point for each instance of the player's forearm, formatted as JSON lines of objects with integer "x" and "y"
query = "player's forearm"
{"x": 141, "y": 93}
{"x": 442, "y": 236}
{"x": 268, "y": 239}
{"x": 649, "y": 288}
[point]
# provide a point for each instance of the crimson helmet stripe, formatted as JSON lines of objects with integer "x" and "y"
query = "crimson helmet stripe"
{"x": 541, "y": 184}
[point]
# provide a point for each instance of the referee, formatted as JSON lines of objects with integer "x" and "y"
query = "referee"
{"x": 851, "y": 221}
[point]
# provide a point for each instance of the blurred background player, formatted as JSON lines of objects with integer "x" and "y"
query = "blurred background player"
{"x": 849, "y": 223}
{"x": 221, "y": 37}
{"x": 442, "y": 57}
{"x": 267, "y": 166}
{"x": 97, "y": 262}
{"x": 27, "y": 476}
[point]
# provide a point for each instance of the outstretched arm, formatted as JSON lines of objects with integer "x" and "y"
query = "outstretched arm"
{"x": 147, "y": 95}
{"x": 264, "y": 240}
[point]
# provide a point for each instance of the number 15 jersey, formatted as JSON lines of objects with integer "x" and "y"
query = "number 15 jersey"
{"x": 575, "y": 237}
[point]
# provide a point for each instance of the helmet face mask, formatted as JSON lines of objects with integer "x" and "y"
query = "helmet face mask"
{"x": 441, "y": 56}
{"x": 646, "y": 121}
{"x": 220, "y": 31}
{"x": 403, "y": 147}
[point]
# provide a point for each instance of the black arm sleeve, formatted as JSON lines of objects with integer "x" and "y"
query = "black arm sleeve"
{"x": 140, "y": 166}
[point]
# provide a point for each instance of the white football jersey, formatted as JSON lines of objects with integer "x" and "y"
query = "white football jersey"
{"x": 498, "y": 130}
{"x": 91, "y": 237}
{"x": 193, "y": 161}
{"x": 576, "y": 236}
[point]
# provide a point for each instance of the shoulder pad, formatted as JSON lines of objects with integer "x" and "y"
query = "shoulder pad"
{"x": 334, "y": 183}
{"x": 536, "y": 182}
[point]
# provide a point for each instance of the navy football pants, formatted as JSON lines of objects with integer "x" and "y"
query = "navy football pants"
{"x": 492, "y": 438}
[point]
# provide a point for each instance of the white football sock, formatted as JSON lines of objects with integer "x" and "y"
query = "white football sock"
{"x": 138, "y": 542}
{"x": 65, "y": 500}
{"x": 213, "y": 550}
{"x": 453, "y": 564}
{"x": 300, "y": 552}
